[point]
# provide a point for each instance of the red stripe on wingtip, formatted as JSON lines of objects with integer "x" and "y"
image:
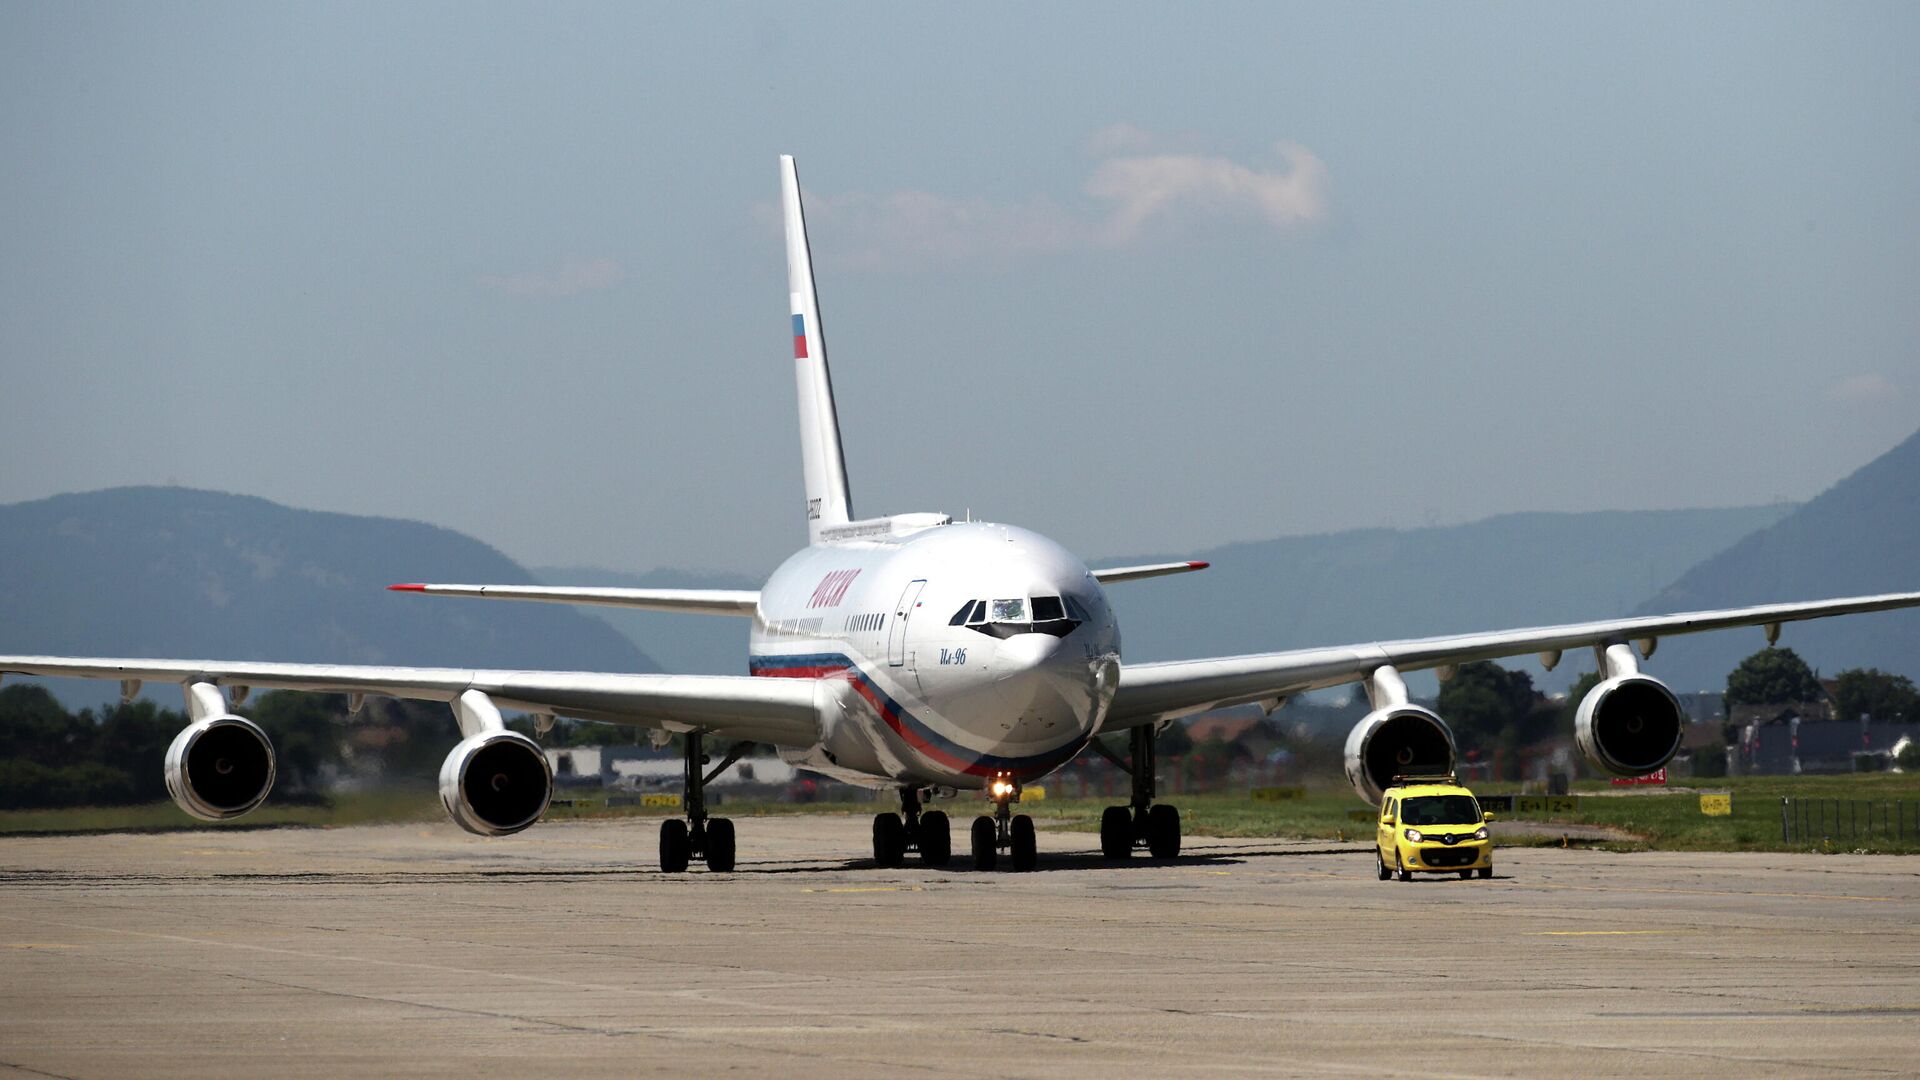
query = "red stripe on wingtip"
{"x": 1198, "y": 565}
{"x": 406, "y": 588}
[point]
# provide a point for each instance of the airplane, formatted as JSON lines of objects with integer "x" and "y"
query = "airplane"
{"x": 917, "y": 653}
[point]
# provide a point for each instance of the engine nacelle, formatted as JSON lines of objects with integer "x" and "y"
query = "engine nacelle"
{"x": 1397, "y": 740}
{"x": 220, "y": 767}
{"x": 1629, "y": 725}
{"x": 495, "y": 783}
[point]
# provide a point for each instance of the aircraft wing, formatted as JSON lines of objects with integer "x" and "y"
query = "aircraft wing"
{"x": 693, "y": 601}
{"x": 1135, "y": 573}
{"x": 779, "y": 711}
{"x": 1152, "y": 692}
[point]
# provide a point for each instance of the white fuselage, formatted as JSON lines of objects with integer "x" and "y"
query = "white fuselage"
{"x": 913, "y": 697}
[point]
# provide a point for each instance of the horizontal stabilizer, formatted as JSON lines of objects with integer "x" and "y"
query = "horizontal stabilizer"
{"x": 1135, "y": 573}
{"x": 693, "y": 601}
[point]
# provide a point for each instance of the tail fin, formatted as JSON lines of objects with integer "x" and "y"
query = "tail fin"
{"x": 821, "y": 460}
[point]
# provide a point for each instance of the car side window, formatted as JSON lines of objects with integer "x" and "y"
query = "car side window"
{"x": 1386, "y": 811}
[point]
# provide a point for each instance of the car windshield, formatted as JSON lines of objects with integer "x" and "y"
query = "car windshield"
{"x": 1440, "y": 810}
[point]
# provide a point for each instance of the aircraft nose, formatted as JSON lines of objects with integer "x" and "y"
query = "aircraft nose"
{"x": 1025, "y": 652}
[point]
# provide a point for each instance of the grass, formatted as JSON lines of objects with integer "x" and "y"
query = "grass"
{"x": 1642, "y": 818}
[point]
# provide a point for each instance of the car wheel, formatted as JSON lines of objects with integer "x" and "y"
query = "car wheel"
{"x": 1465, "y": 874}
{"x": 1398, "y": 862}
{"x": 1380, "y": 864}
{"x": 1486, "y": 872}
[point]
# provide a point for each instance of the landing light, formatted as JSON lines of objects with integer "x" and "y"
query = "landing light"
{"x": 1001, "y": 789}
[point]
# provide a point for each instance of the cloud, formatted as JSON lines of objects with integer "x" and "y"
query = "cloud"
{"x": 1143, "y": 188}
{"x": 572, "y": 279}
{"x": 1132, "y": 195}
{"x": 1867, "y": 389}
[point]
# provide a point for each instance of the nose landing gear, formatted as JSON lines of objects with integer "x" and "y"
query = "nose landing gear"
{"x": 912, "y": 829}
{"x": 1004, "y": 830}
{"x": 1142, "y": 822}
{"x": 699, "y": 836}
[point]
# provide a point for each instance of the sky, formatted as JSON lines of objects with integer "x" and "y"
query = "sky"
{"x": 1146, "y": 278}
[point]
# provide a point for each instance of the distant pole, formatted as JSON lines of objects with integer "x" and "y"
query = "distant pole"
{"x": 1783, "y": 820}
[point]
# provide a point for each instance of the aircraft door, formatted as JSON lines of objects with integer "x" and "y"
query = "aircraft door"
{"x": 902, "y": 614}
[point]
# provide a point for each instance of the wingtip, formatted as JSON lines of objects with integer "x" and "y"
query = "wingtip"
{"x": 406, "y": 588}
{"x": 1198, "y": 565}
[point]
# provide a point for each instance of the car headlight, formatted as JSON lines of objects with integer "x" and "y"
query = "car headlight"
{"x": 1480, "y": 833}
{"x": 1413, "y": 835}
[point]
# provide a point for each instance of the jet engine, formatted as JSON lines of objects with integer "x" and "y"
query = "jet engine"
{"x": 220, "y": 767}
{"x": 1396, "y": 740}
{"x": 1629, "y": 725}
{"x": 495, "y": 783}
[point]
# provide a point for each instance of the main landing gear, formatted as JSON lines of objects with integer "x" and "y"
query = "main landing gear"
{"x": 699, "y": 836}
{"x": 912, "y": 829}
{"x": 1142, "y": 823}
{"x": 1005, "y": 830}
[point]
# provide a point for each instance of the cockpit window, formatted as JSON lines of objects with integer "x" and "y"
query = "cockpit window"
{"x": 979, "y": 616}
{"x": 960, "y": 617}
{"x": 1074, "y": 610}
{"x": 1047, "y": 608}
{"x": 1010, "y": 610}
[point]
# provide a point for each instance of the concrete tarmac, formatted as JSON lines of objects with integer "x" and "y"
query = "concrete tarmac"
{"x": 418, "y": 950}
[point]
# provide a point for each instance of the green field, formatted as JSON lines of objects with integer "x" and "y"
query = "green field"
{"x": 1634, "y": 819}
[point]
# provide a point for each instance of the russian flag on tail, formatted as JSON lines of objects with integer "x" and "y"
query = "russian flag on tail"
{"x": 799, "y": 337}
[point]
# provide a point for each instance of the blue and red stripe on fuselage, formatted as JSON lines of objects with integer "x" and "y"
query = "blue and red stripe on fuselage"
{"x": 924, "y": 740}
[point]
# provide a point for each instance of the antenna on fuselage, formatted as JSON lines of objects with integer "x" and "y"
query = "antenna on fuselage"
{"x": 821, "y": 460}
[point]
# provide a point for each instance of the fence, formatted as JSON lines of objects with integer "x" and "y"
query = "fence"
{"x": 1804, "y": 820}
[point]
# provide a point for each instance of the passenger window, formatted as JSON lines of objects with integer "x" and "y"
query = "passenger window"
{"x": 960, "y": 617}
{"x": 1047, "y": 608}
{"x": 1386, "y": 812}
{"x": 1009, "y": 611}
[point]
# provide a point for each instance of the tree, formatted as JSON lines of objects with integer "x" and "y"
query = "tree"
{"x": 1489, "y": 707}
{"x": 1876, "y": 694}
{"x": 1772, "y": 676}
{"x": 1580, "y": 690}
{"x": 304, "y": 728}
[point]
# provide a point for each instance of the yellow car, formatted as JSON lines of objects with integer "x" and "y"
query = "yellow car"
{"x": 1432, "y": 825}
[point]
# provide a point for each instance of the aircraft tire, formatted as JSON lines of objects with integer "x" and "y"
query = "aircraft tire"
{"x": 936, "y": 838}
{"x": 1025, "y": 850}
{"x": 889, "y": 840}
{"x": 985, "y": 843}
{"x": 1163, "y": 831}
{"x": 675, "y": 848}
{"x": 720, "y": 844}
{"x": 1116, "y": 834}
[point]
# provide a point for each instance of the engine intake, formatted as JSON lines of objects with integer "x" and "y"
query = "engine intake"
{"x": 496, "y": 783}
{"x": 1389, "y": 742}
{"x": 1629, "y": 725}
{"x": 220, "y": 767}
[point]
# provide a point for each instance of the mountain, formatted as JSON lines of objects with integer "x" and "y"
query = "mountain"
{"x": 688, "y": 644}
{"x": 1327, "y": 589}
{"x": 1857, "y": 537}
{"x": 1373, "y": 584}
{"x": 175, "y": 572}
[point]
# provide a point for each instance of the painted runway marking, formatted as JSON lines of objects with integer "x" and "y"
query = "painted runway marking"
{"x": 871, "y": 888}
